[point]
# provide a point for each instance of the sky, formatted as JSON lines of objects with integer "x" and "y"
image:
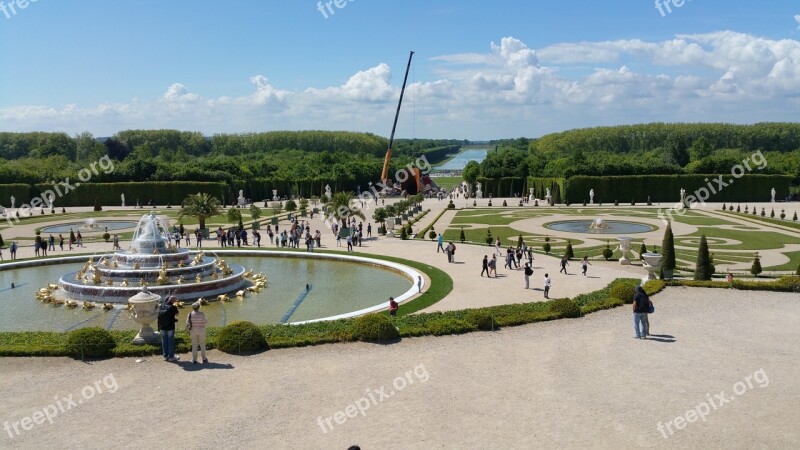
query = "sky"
{"x": 482, "y": 69}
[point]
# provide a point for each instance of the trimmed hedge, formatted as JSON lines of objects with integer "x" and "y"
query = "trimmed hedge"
{"x": 565, "y": 308}
{"x": 481, "y": 319}
{"x": 666, "y": 188}
{"x": 241, "y": 337}
{"x": 94, "y": 342}
{"x": 374, "y": 328}
{"x": 108, "y": 194}
{"x": 624, "y": 292}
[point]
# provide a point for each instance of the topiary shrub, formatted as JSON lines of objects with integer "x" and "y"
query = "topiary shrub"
{"x": 432, "y": 234}
{"x": 608, "y": 253}
{"x": 504, "y": 203}
{"x": 624, "y": 292}
{"x": 756, "y": 269}
{"x": 546, "y": 247}
{"x": 452, "y": 205}
{"x": 94, "y": 342}
{"x": 106, "y": 236}
{"x": 462, "y": 236}
{"x": 565, "y": 308}
{"x": 480, "y": 319}
{"x": 374, "y": 328}
{"x": 97, "y": 206}
{"x": 241, "y": 337}
{"x": 569, "y": 253}
{"x": 488, "y": 239}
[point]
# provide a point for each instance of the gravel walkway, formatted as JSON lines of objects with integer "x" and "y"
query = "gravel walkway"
{"x": 566, "y": 384}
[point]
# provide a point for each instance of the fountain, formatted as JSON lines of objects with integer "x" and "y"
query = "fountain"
{"x": 652, "y": 263}
{"x": 598, "y": 224}
{"x": 89, "y": 224}
{"x": 152, "y": 261}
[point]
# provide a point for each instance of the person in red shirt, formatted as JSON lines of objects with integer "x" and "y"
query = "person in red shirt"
{"x": 393, "y": 306}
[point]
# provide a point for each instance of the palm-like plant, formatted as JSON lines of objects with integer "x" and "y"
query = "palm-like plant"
{"x": 200, "y": 206}
{"x": 340, "y": 208}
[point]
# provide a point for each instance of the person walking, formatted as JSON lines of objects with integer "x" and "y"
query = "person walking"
{"x": 564, "y": 264}
{"x": 393, "y": 307}
{"x": 196, "y": 324}
{"x": 12, "y": 249}
{"x": 369, "y": 229}
{"x": 493, "y": 266}
{"x": 497, "y": 247}
{"x": 547, "y": 285}
{"x": 528, "y": 273}
{"x": 451, "y": 252}
{"x": 349, "y": 242}
{"x": 440, "y": 240}
{"x": 485, "y": 266}
{"x": 509, "y": 258}
{"x": 585, "y": 264}
{"x": 167, "y": 317}
{"x": 61, "y": 242}
{"x": 641, "y": 306}
{"x": 51, "y": 241}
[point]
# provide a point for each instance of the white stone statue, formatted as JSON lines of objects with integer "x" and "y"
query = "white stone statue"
{"x": 122, "y": 197}
{"x": 773, "y": 195}
{"x": 328, "y": 194}
{"x": 530, "y": 195}
{"x": 13, "y": 201}
{"x": 478, "y": 191}
{"x": 275, "y": 197}
{"x": 591, "y": 196}
{"x": 50, "y": 198}
{"x": 241, "y": 198}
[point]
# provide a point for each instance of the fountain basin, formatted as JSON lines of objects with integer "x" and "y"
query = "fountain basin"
{"x": 98, "y": 226}
{"x": 590, "y": 226}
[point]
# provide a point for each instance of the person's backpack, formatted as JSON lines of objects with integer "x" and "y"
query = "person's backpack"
{"x": 528, "y": 271}
{"x": 165, "y": 319}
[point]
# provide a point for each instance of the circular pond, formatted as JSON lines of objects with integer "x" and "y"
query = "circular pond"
{"x": 336, "y": 288}
{"x": 608, "y": 227}
{"x": 99, "y": 226}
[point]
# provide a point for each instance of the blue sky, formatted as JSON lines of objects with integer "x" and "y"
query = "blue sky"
{"x": 482, "y": 69}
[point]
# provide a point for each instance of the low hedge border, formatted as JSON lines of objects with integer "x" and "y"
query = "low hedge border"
{"x": 424, "y": 232}
{"x": 426, "y": 324}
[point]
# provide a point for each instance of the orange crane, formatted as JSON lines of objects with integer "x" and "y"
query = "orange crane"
{"x": 413, "y": 183}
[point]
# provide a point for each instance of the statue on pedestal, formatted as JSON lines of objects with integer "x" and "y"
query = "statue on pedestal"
{"x": 773, "y": 195}
{"x": 122, "y": 197}
{"x": 591, "y": 196}
{"x": 478, "y": 191}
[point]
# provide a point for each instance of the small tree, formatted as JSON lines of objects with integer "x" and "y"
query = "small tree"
{"x": 756, "y": 269}
{"x": 569, "y": 253}
{"x": 642, "y": 250}
{"x": 738, "y": 208}
{"x": 488, "y": 238}
{"x": 255, "y": 211}
{"x": 97, "y": 206}
{"x": 403, "y": 234}
{"x": 234, "y": 215}
{"x": 462, "y": 236}
{"x": 380, "y": 216}
{"x": 291, "y": 205}
{"x": 794, "y": 218}
{"x": 703, "y": 270}
{"x": 772, "y": 213}
{"x": 607, "y": 252}
{"x": 668, "y": 248}
{"x": 303, "y": 204}
{"x": 724, "y": 207}
{"x": 763, "y": 212}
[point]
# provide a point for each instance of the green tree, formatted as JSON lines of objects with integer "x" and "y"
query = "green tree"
{"x": 97, "y": 206}
{"x": 380, "y": 216}
{"x": 668, "y": 248}
{"x": 340, "y": 208}
{"x": 200, "y": 206}
{"x": 471, "y": 173}
{"x": 642, "y": 250}
{"x": 290, "y": 205}
{"x": 234, "y": 215}
{"x": 255, "y": 211}
{"x": 756, "y": 269}
{"x": 568, "y": 252}
{"x": 703, "y": 269}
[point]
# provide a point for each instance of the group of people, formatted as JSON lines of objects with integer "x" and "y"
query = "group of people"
{"x": 195, "y": 324}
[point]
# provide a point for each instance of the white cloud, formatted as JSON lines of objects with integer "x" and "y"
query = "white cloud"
{"x": 797, "y": 19}
{"x": 508, "y": 90}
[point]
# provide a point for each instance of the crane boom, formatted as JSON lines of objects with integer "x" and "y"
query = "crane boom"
{"x": 385, "y": 172}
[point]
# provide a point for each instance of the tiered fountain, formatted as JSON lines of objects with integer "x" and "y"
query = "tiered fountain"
{"x": 152, "y": 262}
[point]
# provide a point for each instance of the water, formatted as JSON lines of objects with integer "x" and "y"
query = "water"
{"x": 337, "y": 288}
{"x": 102, "y": 225}
{"x": 613, "y": 227}
{"x": 461, "y": 160}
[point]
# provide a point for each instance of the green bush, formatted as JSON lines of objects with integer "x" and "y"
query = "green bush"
{"x": 624, "y": 292}
{"x": 756, "y": 269}
{"x": 488, "y": 238}
{"x": 241, "y": 337}
{"x": 704, "y": 267}
{"x": 432, "y": 234}
{"x": 565, "y": 308}
{"x": 106, "y": 236}
{"x": 569, "y": 253}
{"x": 92, "y": 342}
{"x": 480, "y": 319}
{"x": 374, "y": 328}
{"x": 462, "y": 237}
{"x": 608, "y": 253}
{"x": 451, "y": 205}
{"x": 97, "y": 206}
{"x": 403, "y": 233}
{"x": 444, "y": 327}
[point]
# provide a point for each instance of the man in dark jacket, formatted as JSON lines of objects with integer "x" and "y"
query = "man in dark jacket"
{"x": 167, "y": 317}
{"x": 641, "y": 306}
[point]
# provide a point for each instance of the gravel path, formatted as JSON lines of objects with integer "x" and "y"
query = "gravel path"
{"x": 565, "y": 384}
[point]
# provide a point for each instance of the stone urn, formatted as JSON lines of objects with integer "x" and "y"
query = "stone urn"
{"x": 652, "y": 263}
{"x": 624, "y": 247}
{"x": 144, "y": 309}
